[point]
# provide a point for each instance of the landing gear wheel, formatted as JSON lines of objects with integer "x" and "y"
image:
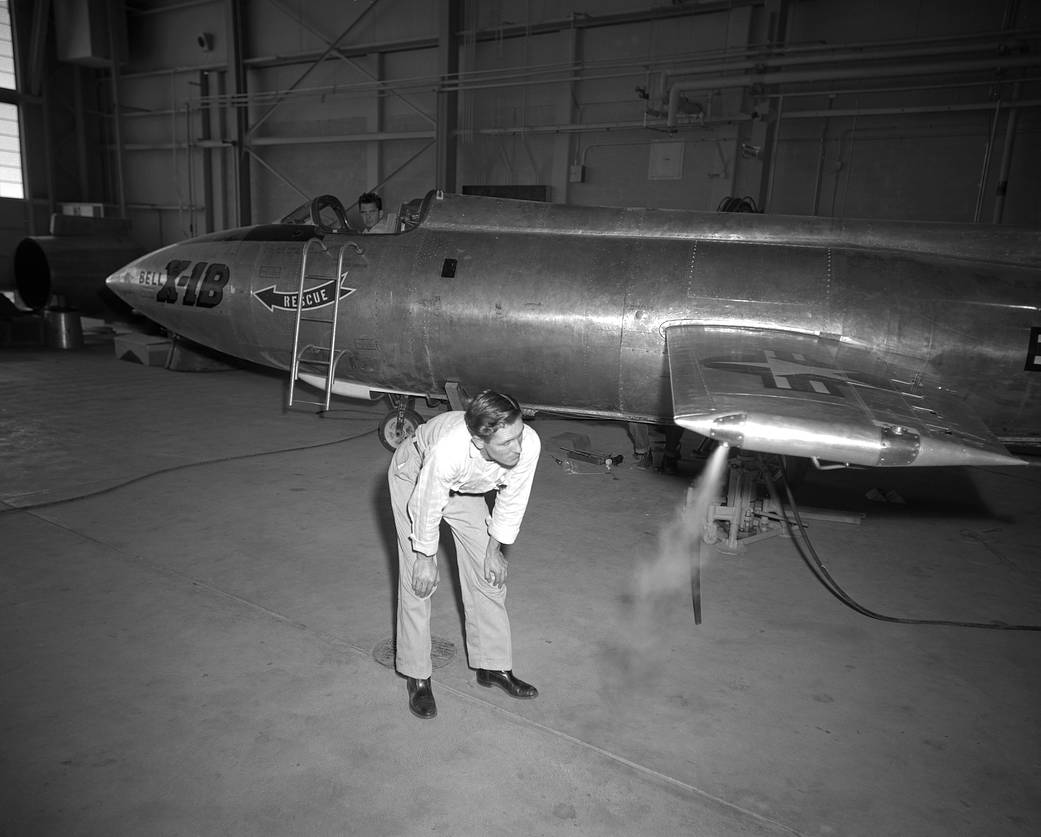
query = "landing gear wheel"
{"x": 396, "y": 426}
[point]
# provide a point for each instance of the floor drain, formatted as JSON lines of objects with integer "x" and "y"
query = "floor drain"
{"x": 442, "y": 652}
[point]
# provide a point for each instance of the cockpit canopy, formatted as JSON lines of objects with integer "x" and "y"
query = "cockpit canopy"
{"x": 326, "y": 213}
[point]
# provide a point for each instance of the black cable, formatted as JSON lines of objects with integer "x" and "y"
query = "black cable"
{"x": 732, "y": 204}
{"x": 813, "y": 561}
{"x": 181, "y": 467}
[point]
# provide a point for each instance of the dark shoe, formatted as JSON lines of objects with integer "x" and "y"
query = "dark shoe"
{"x": 507, "y": 682}
{"x": 421, "y": 698}
{"x": 643, "y": 460}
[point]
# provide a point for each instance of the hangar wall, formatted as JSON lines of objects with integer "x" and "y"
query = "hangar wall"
{"x": 223, "y": 112}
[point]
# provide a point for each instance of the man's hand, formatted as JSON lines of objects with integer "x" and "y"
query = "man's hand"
{"x": 494, "y": 565}
{"x": 425, "y": 575}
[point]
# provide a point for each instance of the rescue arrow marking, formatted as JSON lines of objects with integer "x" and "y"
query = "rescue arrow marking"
{"x": 317, "y": 297}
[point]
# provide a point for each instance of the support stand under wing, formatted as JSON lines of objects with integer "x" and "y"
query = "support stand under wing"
{"x": 744, "y": 515}
{"x": 747, "y": 514}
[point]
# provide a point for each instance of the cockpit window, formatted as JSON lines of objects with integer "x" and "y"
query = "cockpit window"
{"x": 411, "y": 214}
{"x": 327, "y": 214}
{"x": 300, "y": 215}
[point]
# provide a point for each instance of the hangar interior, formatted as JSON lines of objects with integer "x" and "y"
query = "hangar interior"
{"x": 198, "y": 582}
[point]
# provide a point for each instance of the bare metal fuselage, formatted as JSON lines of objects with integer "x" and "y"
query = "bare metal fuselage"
{"x": 564, "y": 307}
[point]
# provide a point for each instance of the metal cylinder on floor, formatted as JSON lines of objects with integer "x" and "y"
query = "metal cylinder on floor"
{"x": 64, "y": 328}
{"x": 70, "y": 271}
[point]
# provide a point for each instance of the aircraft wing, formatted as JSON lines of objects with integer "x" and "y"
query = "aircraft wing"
{"x": 802, "y": 395}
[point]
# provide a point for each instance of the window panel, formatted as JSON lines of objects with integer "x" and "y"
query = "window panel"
{"x": 10, "y": 132}
{"x": 10, "y": 153}
{"x": 7, "y": 78}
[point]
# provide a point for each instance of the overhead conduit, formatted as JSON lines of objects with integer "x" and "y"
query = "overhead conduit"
{"x": 677, "y": 90}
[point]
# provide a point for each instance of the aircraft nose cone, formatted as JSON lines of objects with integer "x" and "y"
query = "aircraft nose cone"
{"x": 135, "y": 284}
{"x": 119, "y": 279}
{"x": 123, "y": 282}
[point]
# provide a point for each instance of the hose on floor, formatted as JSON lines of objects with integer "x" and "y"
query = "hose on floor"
{"x": 812, "y": 559}
{"x": 181, "y": 467}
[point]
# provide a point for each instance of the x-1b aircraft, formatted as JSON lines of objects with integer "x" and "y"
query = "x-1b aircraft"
{"x": 862, "y": 342}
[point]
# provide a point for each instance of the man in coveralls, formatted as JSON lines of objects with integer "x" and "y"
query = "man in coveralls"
{"x": 444, "y": 472}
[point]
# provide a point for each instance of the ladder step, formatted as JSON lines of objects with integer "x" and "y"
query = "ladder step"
{"x": 315, "y": 360}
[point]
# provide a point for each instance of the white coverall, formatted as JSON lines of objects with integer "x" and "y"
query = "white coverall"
{"x": 439, "y": 474}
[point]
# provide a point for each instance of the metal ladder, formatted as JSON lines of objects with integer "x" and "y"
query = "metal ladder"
{"x": 312, "y": 354}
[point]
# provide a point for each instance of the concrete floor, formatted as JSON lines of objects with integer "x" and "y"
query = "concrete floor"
{"x": 187, "y": 640}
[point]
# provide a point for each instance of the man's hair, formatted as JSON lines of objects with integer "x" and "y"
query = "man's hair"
{"x": 371, "y": 197}
{"x": 489, "y": 411}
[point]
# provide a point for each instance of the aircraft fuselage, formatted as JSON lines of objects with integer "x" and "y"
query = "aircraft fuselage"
{"x": 564, "y": 307}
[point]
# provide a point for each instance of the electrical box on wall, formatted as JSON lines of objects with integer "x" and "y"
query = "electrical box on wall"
{"x": 576, "y": 173}
{"x": 87, "y": 31}
{"x": 84, "y": 210}
{"x": 665, "y": 161}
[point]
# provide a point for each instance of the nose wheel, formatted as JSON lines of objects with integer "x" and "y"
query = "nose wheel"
{"x": 400, "y": 423}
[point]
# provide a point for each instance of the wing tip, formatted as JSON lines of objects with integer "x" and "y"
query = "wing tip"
{"x": 871, "y": 445}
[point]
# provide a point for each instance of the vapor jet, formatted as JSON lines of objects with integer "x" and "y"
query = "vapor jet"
{"x": 870, "y": 343}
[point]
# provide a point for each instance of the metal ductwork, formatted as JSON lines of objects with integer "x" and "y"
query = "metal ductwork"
{"x": 893, "y": 70}
{"x": 71, "y": 271}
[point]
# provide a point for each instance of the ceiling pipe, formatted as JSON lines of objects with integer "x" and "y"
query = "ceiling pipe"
{"x": 257, "y": 142}
{"x": 579, "y": 128}
{"x": 849, "y": 53}
{"x": 798, "y": 77}
{"x": 827, "y": 113}
{"x": 1006, "y": 157}
{"x": 988, "y": 153}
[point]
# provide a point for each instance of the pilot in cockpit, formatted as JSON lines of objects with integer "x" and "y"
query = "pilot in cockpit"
{"x": 370, "y": 205}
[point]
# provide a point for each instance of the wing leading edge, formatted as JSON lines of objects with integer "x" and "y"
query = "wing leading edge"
{"x": 802, "y": 395}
